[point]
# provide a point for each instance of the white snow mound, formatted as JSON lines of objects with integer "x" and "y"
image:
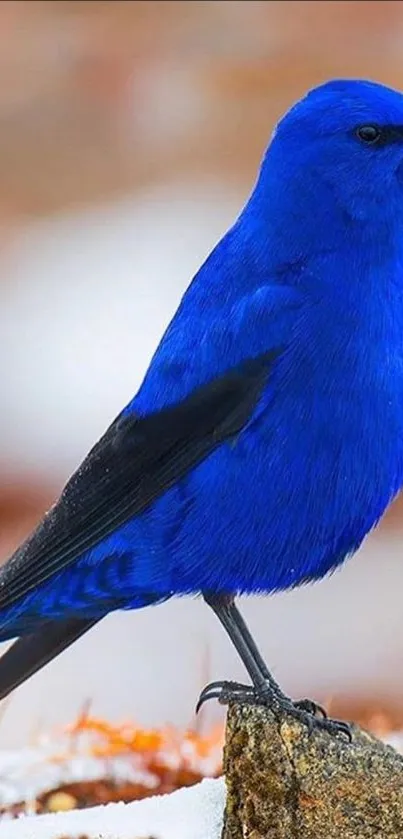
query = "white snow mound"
{"x": 190, "y": 813}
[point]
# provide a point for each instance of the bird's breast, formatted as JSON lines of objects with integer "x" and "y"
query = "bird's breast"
{"x": 302, "y": 485}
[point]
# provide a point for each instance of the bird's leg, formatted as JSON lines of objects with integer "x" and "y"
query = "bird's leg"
{"x": 304, "y": 704}
{"x": 238, "y": 631}
{"x": 264, "y": 688}
{"x": 228, "y": 613}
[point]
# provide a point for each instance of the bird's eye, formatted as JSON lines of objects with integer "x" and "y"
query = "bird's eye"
{"x": 369, "y": 134}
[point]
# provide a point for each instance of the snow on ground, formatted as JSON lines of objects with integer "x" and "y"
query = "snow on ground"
{"x": 28, "y": 773}
{"x": 190, "y": 813}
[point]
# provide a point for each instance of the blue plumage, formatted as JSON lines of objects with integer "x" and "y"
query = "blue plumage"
{"x": 308, "y": 286}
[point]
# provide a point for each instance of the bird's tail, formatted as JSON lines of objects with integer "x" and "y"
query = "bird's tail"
{"x": 31, "y": 652}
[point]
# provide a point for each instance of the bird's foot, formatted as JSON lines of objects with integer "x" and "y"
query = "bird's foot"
{"x": 226, "y": 692}
{"x": 315, "y": 717}
{"x": 311, "y": 707}
{"x": 306, "y": 711}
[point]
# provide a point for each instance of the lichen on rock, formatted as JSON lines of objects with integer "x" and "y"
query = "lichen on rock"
{"x": 286, "y": 783}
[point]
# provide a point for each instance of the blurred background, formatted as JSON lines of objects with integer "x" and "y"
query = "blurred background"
{"x": 130, "y": 134}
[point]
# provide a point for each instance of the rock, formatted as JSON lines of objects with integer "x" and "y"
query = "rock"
{"x": 284, "y": 783}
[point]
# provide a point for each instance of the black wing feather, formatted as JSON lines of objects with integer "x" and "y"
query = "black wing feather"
{"x": 31, "y": 652}
{"x": 133, "y": 464}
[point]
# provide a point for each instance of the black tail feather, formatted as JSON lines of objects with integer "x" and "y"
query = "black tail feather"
{"x": 31, "y": 652}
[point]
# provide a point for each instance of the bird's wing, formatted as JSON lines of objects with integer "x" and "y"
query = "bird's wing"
{"x": 133, "y": 464}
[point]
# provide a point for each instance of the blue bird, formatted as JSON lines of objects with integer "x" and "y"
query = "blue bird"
{"x": 266, "y": 439}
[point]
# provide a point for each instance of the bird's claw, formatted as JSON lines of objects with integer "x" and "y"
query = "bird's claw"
{"x": 311, "y": 707}
{"x": 225, "y": 692}
{"x": 306, "y": 711}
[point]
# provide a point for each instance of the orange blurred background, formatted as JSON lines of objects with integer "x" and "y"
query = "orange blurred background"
{"x": 130, "y": 134}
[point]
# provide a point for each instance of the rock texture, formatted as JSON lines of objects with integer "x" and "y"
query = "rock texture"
{"x": 284, "y": 783}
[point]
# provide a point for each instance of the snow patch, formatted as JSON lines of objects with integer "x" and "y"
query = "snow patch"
{"x": 190, "y": 813}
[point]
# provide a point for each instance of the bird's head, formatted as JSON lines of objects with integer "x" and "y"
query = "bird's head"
{"x": 341, "y": 145}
